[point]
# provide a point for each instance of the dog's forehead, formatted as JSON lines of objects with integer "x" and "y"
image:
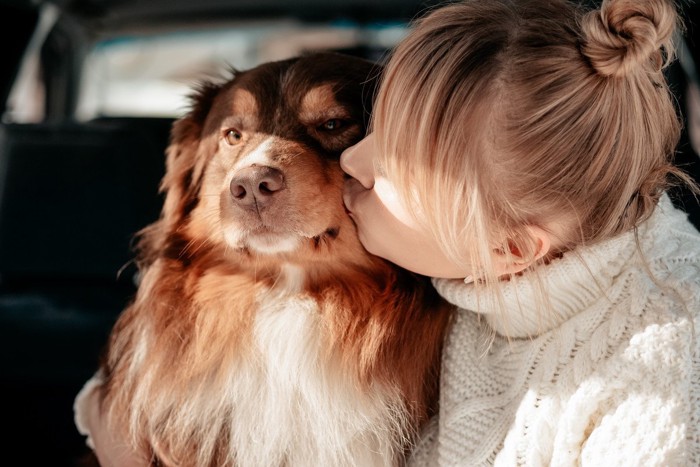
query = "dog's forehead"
{"x": 288, "y": 96}
{"x": 305, "y": 98}
{"x": 289, "y": 81}
{"x": 320, "y": 96}
{"x": 243, "y": 102}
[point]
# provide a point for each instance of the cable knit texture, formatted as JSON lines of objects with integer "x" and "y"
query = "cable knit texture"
{"x": 610, "y": 377}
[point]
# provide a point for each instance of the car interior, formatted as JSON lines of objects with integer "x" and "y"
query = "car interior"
{"x": 88, "y": 92}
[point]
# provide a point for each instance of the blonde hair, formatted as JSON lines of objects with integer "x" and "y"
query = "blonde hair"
{"x": 508, "y": 114}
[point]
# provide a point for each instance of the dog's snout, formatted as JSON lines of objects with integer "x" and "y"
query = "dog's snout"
{"x": 256, "y": 185}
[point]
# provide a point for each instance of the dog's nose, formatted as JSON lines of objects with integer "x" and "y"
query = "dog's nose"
{"x": 256, "y": 185}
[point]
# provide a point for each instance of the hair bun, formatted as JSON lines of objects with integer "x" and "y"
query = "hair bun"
{"x": 628, "y": 35}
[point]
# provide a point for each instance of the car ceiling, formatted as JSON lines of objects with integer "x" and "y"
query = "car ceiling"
{"x": 117, "y": 13}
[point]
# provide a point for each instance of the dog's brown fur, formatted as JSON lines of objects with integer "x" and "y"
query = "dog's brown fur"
{"x": 193, "y": 321}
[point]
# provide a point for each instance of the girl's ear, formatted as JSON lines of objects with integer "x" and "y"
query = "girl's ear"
{"x": 514, "y": 261}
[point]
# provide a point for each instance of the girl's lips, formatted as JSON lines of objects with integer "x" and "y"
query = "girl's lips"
{"x": 350, "y": 189}
{"x": 345, "y": 205}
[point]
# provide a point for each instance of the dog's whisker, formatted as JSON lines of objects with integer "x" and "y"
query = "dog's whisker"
{"x": 226, "y": 249}
{"x": 190, "y": 249}
{"x": 211, "y": 215}
{"x": 203, "y": 243}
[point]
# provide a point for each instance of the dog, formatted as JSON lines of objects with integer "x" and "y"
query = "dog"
{"x": 262, "y": 333}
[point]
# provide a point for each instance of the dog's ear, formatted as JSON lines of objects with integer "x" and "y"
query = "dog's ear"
{"x": 183, "y": 173}
{"x": 182, "y": 176}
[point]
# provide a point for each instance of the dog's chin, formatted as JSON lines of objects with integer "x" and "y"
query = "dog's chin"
{"x": 272, "y": 243}
{"x": 269, "y": 242}
{"x": 262, "y": 241}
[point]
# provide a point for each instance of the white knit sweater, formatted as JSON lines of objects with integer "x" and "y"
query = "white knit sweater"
{"x": 610, "y": 378}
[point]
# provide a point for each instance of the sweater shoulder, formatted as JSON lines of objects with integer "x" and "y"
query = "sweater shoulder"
{"x": 670, "y": 237}
{"x": 669, "y": 260}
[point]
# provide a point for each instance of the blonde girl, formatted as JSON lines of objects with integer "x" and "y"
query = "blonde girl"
{"x": 520, "y": 154}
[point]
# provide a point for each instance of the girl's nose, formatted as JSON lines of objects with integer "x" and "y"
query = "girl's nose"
{"x": 358, "y": 162}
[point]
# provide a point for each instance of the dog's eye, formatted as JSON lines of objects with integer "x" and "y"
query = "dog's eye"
{"x": 233, "y": 137}
{"x": 332, "y": 124}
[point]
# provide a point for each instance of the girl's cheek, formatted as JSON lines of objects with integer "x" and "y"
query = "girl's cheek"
{"x": 390, "y": 237}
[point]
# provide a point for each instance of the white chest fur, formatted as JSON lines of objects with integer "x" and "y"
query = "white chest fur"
{"x": 294, "y": 405}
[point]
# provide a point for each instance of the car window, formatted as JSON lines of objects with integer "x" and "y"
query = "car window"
{"x": 152, "y": 75}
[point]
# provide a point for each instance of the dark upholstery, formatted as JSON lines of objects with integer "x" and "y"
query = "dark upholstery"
{"x": 71, "y": 198}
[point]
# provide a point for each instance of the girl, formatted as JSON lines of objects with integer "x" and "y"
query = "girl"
{"x": 520, "y": 155}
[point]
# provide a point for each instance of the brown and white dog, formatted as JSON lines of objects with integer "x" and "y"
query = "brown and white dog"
{"x": 262, "y": 333}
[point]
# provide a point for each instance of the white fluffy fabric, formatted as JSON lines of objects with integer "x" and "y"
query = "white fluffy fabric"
{"x": 611, "y": 377}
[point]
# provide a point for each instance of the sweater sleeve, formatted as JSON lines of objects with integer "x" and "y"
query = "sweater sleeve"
{"x": 81, "y": 406}
{"x": 424, "y": 453}
{"x": 644, "y": 429}
{"x": 647, "y": 419}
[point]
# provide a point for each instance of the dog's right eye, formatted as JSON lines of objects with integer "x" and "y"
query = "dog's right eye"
{"x": 333, "y": 124}
{"x": 233, "y": 137}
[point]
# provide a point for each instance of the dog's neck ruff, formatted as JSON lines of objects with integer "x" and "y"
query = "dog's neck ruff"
{"x": 286, "y": 399}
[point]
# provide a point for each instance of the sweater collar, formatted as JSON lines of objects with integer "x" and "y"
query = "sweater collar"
{"x": 572, "y": 282}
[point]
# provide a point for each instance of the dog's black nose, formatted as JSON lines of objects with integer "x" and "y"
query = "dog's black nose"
{"x": 256, "y": 185}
